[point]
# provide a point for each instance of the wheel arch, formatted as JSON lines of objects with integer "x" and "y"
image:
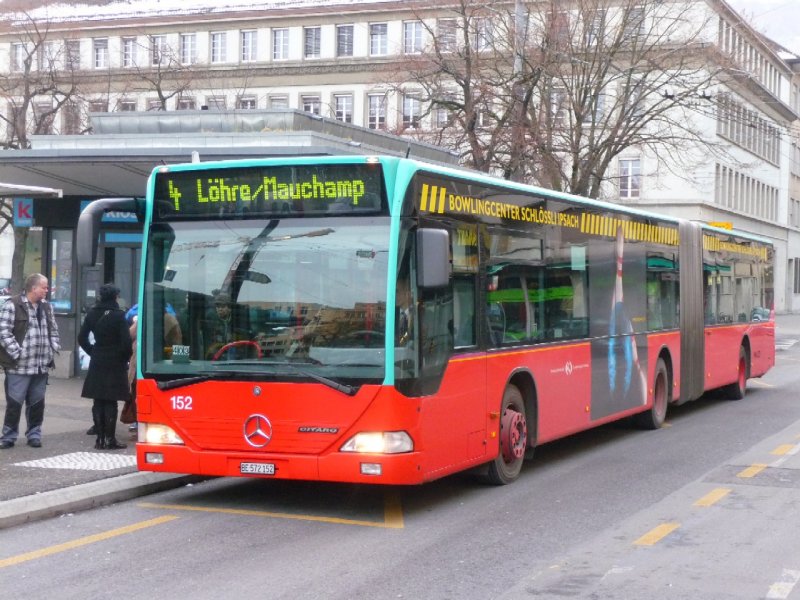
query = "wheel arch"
{"x": 523, "y": 380}
{"x": 665, "y": 355}
{"x": 747, "y": 354}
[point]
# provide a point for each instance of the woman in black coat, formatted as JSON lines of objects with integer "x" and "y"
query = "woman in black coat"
{"x": 107, "y": 379}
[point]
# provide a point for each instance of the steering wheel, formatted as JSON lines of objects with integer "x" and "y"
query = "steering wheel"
{"x": 238, "y": 344}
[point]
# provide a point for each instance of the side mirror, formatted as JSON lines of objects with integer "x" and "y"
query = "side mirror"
{"x": 433, "y": 258}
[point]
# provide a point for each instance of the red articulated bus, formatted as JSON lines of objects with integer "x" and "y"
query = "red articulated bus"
{"x": 381, "y": 320}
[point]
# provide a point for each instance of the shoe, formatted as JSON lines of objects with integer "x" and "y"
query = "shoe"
{"x": 99, "y": 444}
{"x": 113, "y": 444}
{"x": 35, "y": 443}
{"x": 5, "y": 445}
{"x": 92, "y": 430}
{"x": 133, "y": 427}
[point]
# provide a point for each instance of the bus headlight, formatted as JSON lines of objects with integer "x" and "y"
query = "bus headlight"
{"x": 379, "y": 442}
{"x": 155, "y": 433}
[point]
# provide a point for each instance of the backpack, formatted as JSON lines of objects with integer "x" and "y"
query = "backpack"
{"x": 20, "y": 329}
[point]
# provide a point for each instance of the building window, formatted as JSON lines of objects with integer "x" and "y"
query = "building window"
{"x": 343, "y": 107}
{"x": 595, "y": 29}
{"x": 412, "y": 111}
{"x": 188, "y": 48}
{"x": 279, "y": 102}
{"x": 633, "y": 25}
{"x": 376, "y": 111}
{"x": 100, "y": 49}
{"x": 443, "y": 117}
{"x": 98, "y": 106}
{"x": 44, "y": 116}
{"x": 126, "y": 106}
{"x": 72, "y": 54}
{"x": 412, "y": 37}
{"x": 796, "y": 287}
{"x": 158, "y": 49}
{"x": 246, "y": 102}
{"x": 154, "y": 104}
{"x": 446, "y": 35}
{"x": 18, "y": 56}
{"x": 630, "y": 170}
{"x": 216, "y": 102}
{"x": 71, "y": 119}
{"x": 280, "y": 44}
{"x": 219, "y": 48}
{"x": 312, "y": 40}
{"x": 344, "y": 40}
{"x": 378, "y": 40}
{"x": 249, "y": 45}
{"x": 185, "y": 103}
{"x": 128, "y": 52}
{"x": 311, "y": 104}
{"x": 48, "y": 56}
{"x": 483, "y": 35}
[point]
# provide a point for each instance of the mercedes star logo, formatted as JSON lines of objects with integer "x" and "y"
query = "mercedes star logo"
{"x": 257, "y": 431}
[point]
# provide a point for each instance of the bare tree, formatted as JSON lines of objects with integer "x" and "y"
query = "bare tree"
{"x": 41, "y": 83}
{"x": 553, "y": 92}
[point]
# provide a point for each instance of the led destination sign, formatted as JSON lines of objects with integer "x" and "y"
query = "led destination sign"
{"x": 262, "y": 191}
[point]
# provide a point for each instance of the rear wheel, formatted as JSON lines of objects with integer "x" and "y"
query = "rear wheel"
{"x": 737, "y": 389}
{"x": 513, "y": 439}
{"x": 655, "y": 417}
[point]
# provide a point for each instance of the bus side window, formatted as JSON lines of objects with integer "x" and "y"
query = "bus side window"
{"x": 507, "y": 311}
{"x": 463, "y": 312}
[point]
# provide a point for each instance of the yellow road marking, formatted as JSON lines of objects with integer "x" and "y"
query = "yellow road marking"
{"x": 713, "y": 497}
{"x": 263, "y": 513}
{"x": 392, "y": 511}
{"x": 84, "y": 541}
{"x": 783, "y": 449}
{"x": 751, "y": 471}
{"x": 657, "y": 534}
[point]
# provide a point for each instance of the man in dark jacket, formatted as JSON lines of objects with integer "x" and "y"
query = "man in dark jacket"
{"x": 107, "y": 379}
{"x": 29, "y": 341}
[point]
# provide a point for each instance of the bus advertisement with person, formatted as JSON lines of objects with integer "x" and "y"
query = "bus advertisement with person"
{"x": 381, "y": 320}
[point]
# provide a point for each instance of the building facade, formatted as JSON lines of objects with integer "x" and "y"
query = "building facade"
{"x": 350, "y": 60}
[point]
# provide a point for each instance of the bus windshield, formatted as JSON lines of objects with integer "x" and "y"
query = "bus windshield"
{"x": 267, "y": 298}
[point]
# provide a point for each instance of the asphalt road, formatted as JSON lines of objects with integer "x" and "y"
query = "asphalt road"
{"x": 706, "y": 508}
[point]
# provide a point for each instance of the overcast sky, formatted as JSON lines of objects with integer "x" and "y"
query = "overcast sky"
{"x": 779, "y": 19}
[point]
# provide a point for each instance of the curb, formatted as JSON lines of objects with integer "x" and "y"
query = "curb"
{"x": 88, "y": 495}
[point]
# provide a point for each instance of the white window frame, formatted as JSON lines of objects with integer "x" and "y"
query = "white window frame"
{"x": 376, "y": 111}
{"x": 188, "y": 48}
{"x": 249, "y": 42}
{"x": 128, "y": 52}
{"x": 278, "y": 101}
{"x": 343, "y": 107}
{"x": 311, "y": 103}
{"x": 158, "y": 49}
{"x": 218, "y": 47}
{"x": 100, "y": 53}
{"x": 18, "y": 55}
{"x": 378, "y": 39}
{"x": 246, "y": 103}
{"x": 345, "y": 40}
{"x": 312, "y": 42}
{"x": 630, "y": 178}
{"x": 446, "y": 35}
{"x": 280, "y": 44}
{"x": 412, "y": 37}
{"x": 412, "y": 110}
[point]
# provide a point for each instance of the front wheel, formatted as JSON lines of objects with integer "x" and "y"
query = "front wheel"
{"x": 506, "y": 467}
{"x": 655, "y": 417}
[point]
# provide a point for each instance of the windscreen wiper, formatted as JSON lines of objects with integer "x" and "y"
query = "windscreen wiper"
{"x": 339, "y": 387}
{"x": 171, "y": 384}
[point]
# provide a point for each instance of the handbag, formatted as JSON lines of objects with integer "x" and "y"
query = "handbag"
{"x": 128, "y": 414}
